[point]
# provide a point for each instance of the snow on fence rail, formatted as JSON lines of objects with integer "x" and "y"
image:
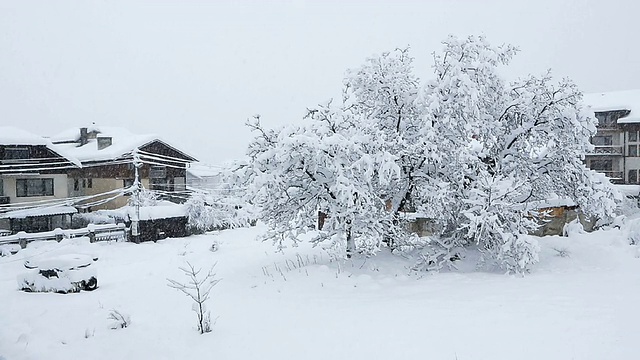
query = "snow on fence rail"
{"x": 105, "y": 232}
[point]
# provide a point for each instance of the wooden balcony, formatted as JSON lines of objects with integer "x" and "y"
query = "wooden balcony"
{"x": 615, "y": 150}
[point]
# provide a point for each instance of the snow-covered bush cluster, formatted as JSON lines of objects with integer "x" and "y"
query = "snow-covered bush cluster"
{"x": 224, "y": 207}
{"x": 466, "y": 149}
{"x": 81, "y": 220}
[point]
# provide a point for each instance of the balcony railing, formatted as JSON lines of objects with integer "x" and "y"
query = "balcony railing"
{"x": 607, "y": 150}
{"x": 613, "y": 175}
{"x": 608, "y": 124}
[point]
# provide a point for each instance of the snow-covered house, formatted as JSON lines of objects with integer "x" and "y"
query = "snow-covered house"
{"x": 107, "y": 156}
{"x": 32, "y": 171}
{"x": 617, "y": 142}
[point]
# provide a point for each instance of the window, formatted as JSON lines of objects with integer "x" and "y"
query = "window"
{"x": 1, "y": 188}
{"x": 601, "y": 140}
{"x": 34, "y": 187}
{"x": 32, "y": 224}
{"x": 16, "y": 153}
{"x": 86, "y": 183}
{"x": 165, "y": 184}
{"x": 633, "y": 150}
{"x": 633, "y": 176}
{"x": 127, "y": 183}
{"x": 157, "y": 172}
{"x": 602, "y": 165}
{"x": 633, "y": 136}
{"x": 606, "y": 119}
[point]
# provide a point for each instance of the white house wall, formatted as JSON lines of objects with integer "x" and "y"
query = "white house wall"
{"x": 59, "y": 187}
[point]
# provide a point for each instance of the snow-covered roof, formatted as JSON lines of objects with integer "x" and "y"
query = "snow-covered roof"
{"x": 201, "y": 171}
{"x": 43, "y": 211}
{"x": 123, "y": 142}
{"x": 163, "y": 210}
{"x": 616, "y": 100}
{"x": 553, "y": 202}
{"x": 10, "y": 135}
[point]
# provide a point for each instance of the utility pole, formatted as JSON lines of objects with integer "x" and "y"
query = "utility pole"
{"x": 135, "y": 226}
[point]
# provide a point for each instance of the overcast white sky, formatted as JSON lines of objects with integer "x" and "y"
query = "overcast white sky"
{"x": 194, "y": 71}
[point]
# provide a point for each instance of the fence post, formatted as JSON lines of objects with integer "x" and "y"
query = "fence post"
{"x": 92, "y": 233}
{"x": 58, "y": 233}
{"x": 123, "y": 229}
{"x": 22, "y": 239}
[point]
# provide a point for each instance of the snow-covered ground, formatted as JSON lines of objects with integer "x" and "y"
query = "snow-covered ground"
{"x": 306, "y": 305}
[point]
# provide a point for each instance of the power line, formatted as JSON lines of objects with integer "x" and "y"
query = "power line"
{"x": 164, "y": 158}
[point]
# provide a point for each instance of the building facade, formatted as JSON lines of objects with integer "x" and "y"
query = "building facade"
{"x": 108, "y": 155}
{"x": 617, "y": 141}
{"x": 44, "y": 181}
{"x": 32, "y": 175}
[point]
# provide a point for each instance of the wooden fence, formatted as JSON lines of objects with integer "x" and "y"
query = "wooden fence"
{"x": 106, "y": 232}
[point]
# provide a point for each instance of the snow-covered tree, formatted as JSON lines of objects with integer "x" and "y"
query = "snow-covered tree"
{"x": 200, "y": 217}
{"x": 382, "y": 95}
{"x": 327, "y": 165}
{"x": 504, "y": 145}
{"x": 467, "y": 149}
{"x": 223, "y": 206}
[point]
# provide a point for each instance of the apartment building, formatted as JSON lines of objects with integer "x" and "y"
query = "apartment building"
{"x": 617, "y": 142}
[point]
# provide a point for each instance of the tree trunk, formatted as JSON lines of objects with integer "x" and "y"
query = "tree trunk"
{"x": 351, "y": 246}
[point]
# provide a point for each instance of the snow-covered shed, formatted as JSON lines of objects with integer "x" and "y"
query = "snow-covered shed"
{"x": 37, "y": 219}
{"x": 164, "y": 219}
{"x": 555, "y": 213}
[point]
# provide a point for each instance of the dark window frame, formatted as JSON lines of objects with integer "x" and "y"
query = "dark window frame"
{"x": 157, "y": 172}
{"x": 602, "y": 140}
{"x": 594, "y": 165}
{"x": 18, "y": 153}
{"x": 35, "y": 187}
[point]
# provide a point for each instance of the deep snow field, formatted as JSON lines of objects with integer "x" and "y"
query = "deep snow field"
{"x": 304, "y": 304}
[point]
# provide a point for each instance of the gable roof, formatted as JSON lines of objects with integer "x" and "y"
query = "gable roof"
{"x": 616, "y": 100}
{"x": 123, "y": 142}
{"x": 10, "y": 135}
